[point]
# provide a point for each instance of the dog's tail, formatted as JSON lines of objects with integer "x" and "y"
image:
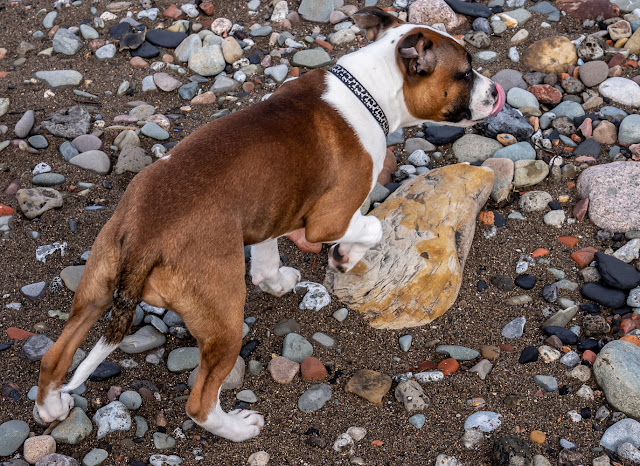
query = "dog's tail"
{"x": 133, "y": 269}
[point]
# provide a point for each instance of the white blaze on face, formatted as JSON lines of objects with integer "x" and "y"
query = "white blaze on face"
{"x": 482, "y": 102}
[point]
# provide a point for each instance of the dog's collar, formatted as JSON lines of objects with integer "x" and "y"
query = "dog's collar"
{"x": 362, "y": 94}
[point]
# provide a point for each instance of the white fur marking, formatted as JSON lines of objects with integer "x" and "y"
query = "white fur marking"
{"x": 237, "y": 425}
{"x": 56, "y": 406}
{"x": 266, "y": 271}
{"x": 98, "y": 354}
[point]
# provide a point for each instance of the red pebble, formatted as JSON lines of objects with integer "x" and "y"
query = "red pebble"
{"x": 584, "y": 256}
{"x": 589, "y": 356}
{"x": 312, "y": 369}
{"x": 448, "y": 366}
{"x": 15, "y": 333}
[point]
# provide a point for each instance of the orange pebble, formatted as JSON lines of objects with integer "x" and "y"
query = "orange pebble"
{"x": 295, "y": 72}
{"x": 6, "y": 210}
{"x": 540, "y": 252}
{"x": 584, "y": 256}
{"x": 627, "y": 326}
{"x": 377, "y": 443}
{"x": 631, "y": 339}
{"x": 576, "y": 138}
{"x": 324, "y": 44}
{"x": 568, "y": 241}
{"x": 18, "y": 334}
{"x": 589, "y": 356}
{"x": 486, "y": 217}
{"x": 448, "y": 366}
{"x": 538, "y": 436}
{"x": 571, "y": 184}
{"x": 564, "y": 75}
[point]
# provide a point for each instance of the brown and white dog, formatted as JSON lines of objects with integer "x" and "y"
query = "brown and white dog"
{"x": 315, "y": 154}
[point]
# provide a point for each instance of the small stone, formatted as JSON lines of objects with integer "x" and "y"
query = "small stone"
{"x": 316, "y": 397}
{"x": 370, "y": 385}
{"x": 112, "y": 417}
{"x": 485, "y": 421}
{"x": 283, "y": 370}
{"x": 515, "y": 328}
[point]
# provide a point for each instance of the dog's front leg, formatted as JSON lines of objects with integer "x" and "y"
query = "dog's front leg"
{"x": 266, "y": 271}
{"x": 363, "y": 233}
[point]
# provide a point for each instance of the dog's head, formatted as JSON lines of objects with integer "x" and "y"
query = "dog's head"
{"x": 439, "y": 83}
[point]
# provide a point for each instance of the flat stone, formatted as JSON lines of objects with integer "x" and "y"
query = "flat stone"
{"x": 24, "y": 125}
{"x": 132, "y": 159}
{"x": 616, "y": 273}
{"x": 546, "y": 382}
{"x": 87, "y": 142}
{"x": 106, "y": 370}
{"x": 518, "y": 151}
{"x": 529, "y": 172}
{"x": 95, "y": 457}
{"x": 38, "y": 142}
{"x": 74, "y": 429}
{"x": 370, "y": 385}
{"x": 283, "y": 369}
{"x": 486, "y": 421}
{"x": 166, "y": 82}
{"x": 154, "y": 131}
{"x": 621, "y": 90}
{"x": 475, "y": 148}
{"x": 36, "y": 201}
{"x": 514, "y": 329}
{"x": 68, "y": 123}
{"x": 412, "y": 396}
{"x": 443, "y": 134}
{"x": 166, "y": 39}
{"x": 34, "y": 291}
{"x": 317, "y": 11}
{"x": 613, "y": 191}
{"x": 616, "y": 370}
{"x": 550, "y": 55}
{"x": 629, "y": 129}
{"x": 296, "y": 348}
{"x": 145, "y": 339}
{"x": 71, "y": 276}
{"x": 112, "y": 417}
{"x": 626, "y": 430}
{"x": 93, "y": 160}
{"x": 12, "y": 435}
{"x": 311, "y": 58}
{"x": 183, "y": 359}
{"x": 400, "y": 283}
{"x": 459, "y": 353}
{"x": 508, "y": 121}
{"x": 315, "y": 398}
{"x": 56, "y": 459}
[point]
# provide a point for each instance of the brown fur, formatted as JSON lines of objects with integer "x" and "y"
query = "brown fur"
{"x": 217, "y": 192}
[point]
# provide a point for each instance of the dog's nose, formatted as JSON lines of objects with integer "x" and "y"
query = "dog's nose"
{"x": 494, "y": 91}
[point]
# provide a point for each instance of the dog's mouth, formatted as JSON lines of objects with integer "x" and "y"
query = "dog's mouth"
{"x": 500, "y": 100}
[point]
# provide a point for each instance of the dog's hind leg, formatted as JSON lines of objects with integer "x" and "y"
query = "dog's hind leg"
{"x": 214, "y": 314}
{"x": 93, "y": 296}
{"x": 266, "y": 271}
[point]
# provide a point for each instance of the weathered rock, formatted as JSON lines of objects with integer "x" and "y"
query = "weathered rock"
{"x": 613, "y": 191}
{"x": 68, "y": 123}
{"x": 550, "y": 55}
{"x": 370, "y": 385}
{"x": 433, "y": 11}
{"x": 589, "y": 9}
{"x": 616, "y": 370}
{"x": 402, "y": 283}
{"x": 132, "y": 159}
{"x": 36, "y": 201}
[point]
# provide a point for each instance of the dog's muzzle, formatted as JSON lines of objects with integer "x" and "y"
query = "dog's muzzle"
{"x": 499, "y": 95}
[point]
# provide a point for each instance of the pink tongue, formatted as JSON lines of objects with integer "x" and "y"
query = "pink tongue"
{"x": 501, "y": 100}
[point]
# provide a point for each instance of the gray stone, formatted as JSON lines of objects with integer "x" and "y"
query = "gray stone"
{"x": 112, "y": 417}
{"x": 143, "y": 340}
{"x": 630, "y": 130}
{"x": 187, "y": 47}
{"x": 509, "y": 79}
{"x": 183, "y": 359}
{"x": 519, "y": 151}
{"x": 486, "y": 421}
{"x": 132, "y": 159}
{"x": 66, "y": 42}
{"x": 71, "y": 276}
{"x": 89, "y": 33}
{"x": 49, "y": 19}
{"x": 59, "y": 78}
{"x": 616, "y": 370}
{"x": 12, "y": 435}
{"x": 24, "y": 125}
{"x": 529, "y": 172}
{"x": 247, "y": 396}
{"x": 56, "y": 459}
{"x": 38, "y": 142}
{"x": 93, "y": 160}
{"x": 520, "y": 98}
{"x": 405, "y": 342}
{"x": 317, "y": 11}
{"x": 460, "y": 353}
{"x": 568, "y": 108}
{"x": 261, "y": 31}
{"x": 67, "y": 150}
{"x": 207, "y": 61}
{"x": 48, "y": 179}
{"x": 296, "y": 348}
{"x": 68, "y": 123}
{"x": 534, "y": 201}
{"x": 188, "y": 91}
{"x": 621, "y": 90}
{"x": 547, "y": 382}
{"x": 323, "y": 340}
{"x": 235, "y": 378}
{"x": 626, "y": 430}
{"x": 141, "y": 426}
{"x": 106, "y": 52}
{"x": 561, "y": 318}
{"x": 154, "y": 131}
{"x": 474, "y": 148}
{"x": 95, "y": 457}
{"x": 224, "y": 84}
{"x": 131, "y": 399}
{"x": 36, "y": 346}
{"x": 34, "y": 291}
{"x": 87, "y": 142}
{"x": 278, "y": 73}
{"x": 314, "y": 398}
{"x": 312, "y": 58}
{"x": 514, "y": 329}
{"x": 163, "y": 441}
{"x": 485, "y": 57}
{"x": 74, "y": 429}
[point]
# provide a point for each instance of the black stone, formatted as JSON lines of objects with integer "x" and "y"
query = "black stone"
{"x": 529, "y": 354}
{"x": 616, "y": 273}
{"x": 609, "y": 297}
{"x": 497, "y": 9}
{"x": 622, "y": 311}
{"x": 469, "y": 8}
{"x": 525, "y": 281}
{"x": 550, "y": 293}
{"x": 249, "y": 348}
{"x": 566, "y": 336}
{"x": 442, "y": 134}
{"x": 6, "y": 345}
{"x": 507, "y": 447}
{"x": 146, "y": 50}
{"x": 256, "y": 57}
{"x": 138, "y": 384}
{"x": 589, "y": 344}
{"x": 555, "y": 205}
{"x": 588, "y": 147}
{"x": 507, "y": 121}
{"x": 392, "y": 186}
{"x": 106, "y": 370}
{"x": 502, "y": 282}
{"x": 590, "y": 308}
{"x": 580, "y": 119}
{"x": 138, "y": 463}
{"x": 166, "y": 39}
{"x": 586, "y": 413}
{"x": 481, "y": 285}
{"x": 498, "y": 220}
{"x": 116, "y": 32}
{"x": 563, "y": 390}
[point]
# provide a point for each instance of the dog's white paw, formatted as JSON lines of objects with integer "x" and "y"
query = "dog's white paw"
{"x": 56, "y": 406}
{"x": 238, "y": 425}
{"x": 286, "y": 279}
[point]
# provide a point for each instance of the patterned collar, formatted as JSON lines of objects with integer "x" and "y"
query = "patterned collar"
{"x": 361, "y": 93}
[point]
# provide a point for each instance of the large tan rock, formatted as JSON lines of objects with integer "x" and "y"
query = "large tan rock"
{"x": 550, "y": 55}
{"x": 415, "y": 273}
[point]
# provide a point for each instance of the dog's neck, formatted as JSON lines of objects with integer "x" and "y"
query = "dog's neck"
{"x": 382, "y": 77}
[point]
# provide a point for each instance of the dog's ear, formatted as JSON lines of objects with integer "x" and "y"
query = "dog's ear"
{"x": 416, "y": 55}
{"x": 374, "y": 21}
